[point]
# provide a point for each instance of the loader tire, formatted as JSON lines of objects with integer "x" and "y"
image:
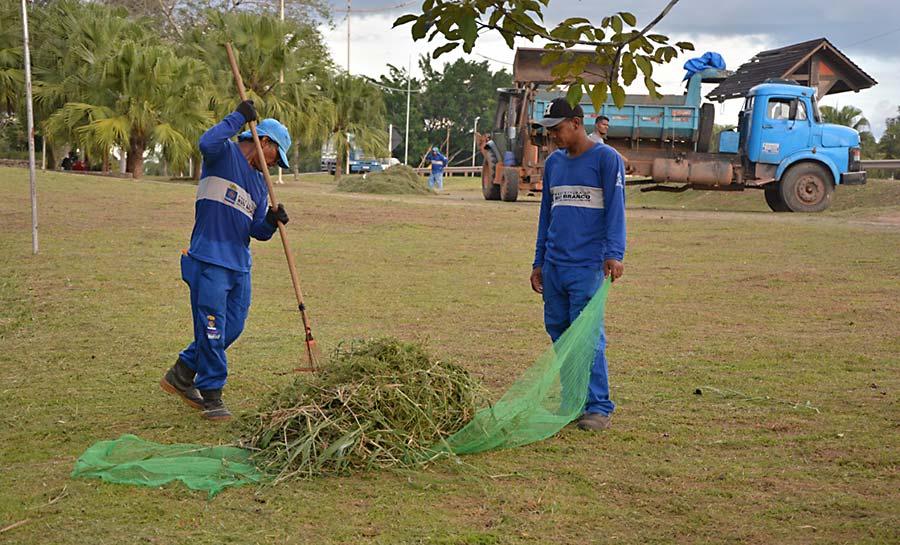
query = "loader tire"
{"x": 509, "y": 191}
{"x": 489, "y": 189}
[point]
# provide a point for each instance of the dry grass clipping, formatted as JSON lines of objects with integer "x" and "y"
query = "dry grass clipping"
{"x": 376, "y": 404}
{"x": 398, "y": 179}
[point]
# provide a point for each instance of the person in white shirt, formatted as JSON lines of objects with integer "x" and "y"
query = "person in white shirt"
{"x": 601, "y": 127}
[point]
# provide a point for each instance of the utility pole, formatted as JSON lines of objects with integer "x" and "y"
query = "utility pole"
{"x": 348, "y": 36}
{"x": 408, "y": 94}
{"x": 474, "y": 138}
{"x": 30, "y": 115}
{"x": 281, "y": 80}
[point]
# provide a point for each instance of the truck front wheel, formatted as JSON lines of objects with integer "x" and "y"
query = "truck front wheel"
{"x": 489, "y": 189}
{"x": 807, "y": 187}
{"x": 773, "y": 198}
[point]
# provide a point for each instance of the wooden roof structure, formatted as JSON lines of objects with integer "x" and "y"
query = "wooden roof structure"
{"x": 816, "y": 63}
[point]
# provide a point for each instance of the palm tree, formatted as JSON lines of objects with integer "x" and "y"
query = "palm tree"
{"x": 111, "y": 84}
{"x": 281, "y": 65}
{"x": 848, "y": 116}
{"x": 359, "y": 114}
{"x": 12, "y": 74}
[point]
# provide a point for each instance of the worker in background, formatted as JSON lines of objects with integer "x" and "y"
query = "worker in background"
{"x": 601, "y": 127}
{"x": 438, "y": 162}
{"x": 580, "y": 238}
{"x": 231, "y": 207}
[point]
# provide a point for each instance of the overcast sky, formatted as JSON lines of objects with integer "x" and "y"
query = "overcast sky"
{"x": 867, "y": 31}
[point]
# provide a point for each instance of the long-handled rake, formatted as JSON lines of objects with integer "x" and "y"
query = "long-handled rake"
{"x": 312, "y": 353}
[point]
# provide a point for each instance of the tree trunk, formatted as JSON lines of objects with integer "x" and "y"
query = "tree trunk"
{"x": 52, "y": 163}
{"x": 136, "y": 155}
{"x": 338, "y": 165}
{"x": 296, "y": 161}
{"x": 106, "y": 162}
{"x": 198, "y": 164}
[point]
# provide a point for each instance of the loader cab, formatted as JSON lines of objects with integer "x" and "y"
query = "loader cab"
{"x": 505, "y": 133}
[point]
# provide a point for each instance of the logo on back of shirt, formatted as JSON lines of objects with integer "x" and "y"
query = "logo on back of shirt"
{"x": 231, "y": 194}
{"x": 228, "y": 193}
{"x": 619, "y": 181}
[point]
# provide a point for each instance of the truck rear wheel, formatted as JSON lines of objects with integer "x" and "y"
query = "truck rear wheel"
{"x": 773, "y": 198}
{"x": 489, "y": 189}
{"x": 509, "y": 191}
{"x": 807, "y": 187}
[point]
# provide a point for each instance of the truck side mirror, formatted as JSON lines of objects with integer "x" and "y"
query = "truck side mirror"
{"x": 792, "y": 112}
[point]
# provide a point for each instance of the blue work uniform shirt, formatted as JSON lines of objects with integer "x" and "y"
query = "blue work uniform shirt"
{"x": 582, "y": 218}
{"x": 438, "y": 161}
{"x": 231, "y": 201}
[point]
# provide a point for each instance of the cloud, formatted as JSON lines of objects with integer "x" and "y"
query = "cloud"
{"x": 711, "y": 26}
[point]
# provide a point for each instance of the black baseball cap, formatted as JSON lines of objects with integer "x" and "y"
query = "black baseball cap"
{"x": 558, "y": 111}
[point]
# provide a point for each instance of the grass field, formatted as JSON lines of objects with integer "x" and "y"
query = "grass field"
{"x": 754, "y": 357}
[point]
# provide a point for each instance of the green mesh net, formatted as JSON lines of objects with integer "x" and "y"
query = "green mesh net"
{"x": 129, "y": 460}
{"x": 550, "y": 394}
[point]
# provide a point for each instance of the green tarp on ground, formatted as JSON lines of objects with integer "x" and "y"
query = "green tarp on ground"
{"x": 550, "y": 394}
{"x": 130, "y": 460}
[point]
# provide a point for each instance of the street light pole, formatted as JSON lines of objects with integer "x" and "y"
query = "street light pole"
{"x": 30, "y": 116}
{"x": 281, "y": 80}
{"x": 474, "y": 138}
{"x": 348, "y": 36}
{"x": 408, "y": 94}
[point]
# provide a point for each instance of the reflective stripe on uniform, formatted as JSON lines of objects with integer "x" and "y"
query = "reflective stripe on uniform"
{"x": 576, "y": 195}
{"x": 222, "y": 191}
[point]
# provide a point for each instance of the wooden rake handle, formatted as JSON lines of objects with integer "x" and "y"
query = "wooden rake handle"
{"x": 311, "y": 352}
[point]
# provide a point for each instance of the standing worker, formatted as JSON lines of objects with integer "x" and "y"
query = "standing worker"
{"x": 230, "y": 208}
{"x": 438, "y": 162}
{"x": 580, "y": 238}
{"x": 601, "y": 128}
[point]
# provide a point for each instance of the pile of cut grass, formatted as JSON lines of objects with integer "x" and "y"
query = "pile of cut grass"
{"x": 395, "y": 180}
{"x": 376, "y": 404}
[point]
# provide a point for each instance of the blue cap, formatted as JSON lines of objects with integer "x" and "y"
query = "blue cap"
{"x": 435, "y": 149}
{"x": 277, "y": 133}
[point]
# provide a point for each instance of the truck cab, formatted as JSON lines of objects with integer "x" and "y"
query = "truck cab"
{"x": 787, "y": 149}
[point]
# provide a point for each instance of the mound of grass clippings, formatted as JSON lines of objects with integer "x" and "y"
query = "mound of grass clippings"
{"x": 376, "y": 404}
{"x": 398, "y": 179}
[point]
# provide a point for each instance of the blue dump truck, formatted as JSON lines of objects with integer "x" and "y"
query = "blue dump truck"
{"x": 780, "y": 146}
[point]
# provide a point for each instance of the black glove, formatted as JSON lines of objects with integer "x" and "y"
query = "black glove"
{"x": 274, "y": 215}
{"x": 248, "y": 110}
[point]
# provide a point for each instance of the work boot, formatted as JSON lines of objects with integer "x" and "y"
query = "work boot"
{"x": 594, "y": 422}
{"x": 213, "y": 407}
{"x": 179, "y": 381}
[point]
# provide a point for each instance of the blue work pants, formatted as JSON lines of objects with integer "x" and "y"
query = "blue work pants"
{"x": 567, "y": 290}
{"x": 437, "y": 177}
{"x": 220, "y": 299}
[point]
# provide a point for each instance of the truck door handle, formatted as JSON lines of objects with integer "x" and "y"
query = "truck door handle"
{"x": 767, "y": 126}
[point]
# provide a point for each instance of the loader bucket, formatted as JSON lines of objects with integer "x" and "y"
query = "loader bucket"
{"x": 527, "y": 67}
